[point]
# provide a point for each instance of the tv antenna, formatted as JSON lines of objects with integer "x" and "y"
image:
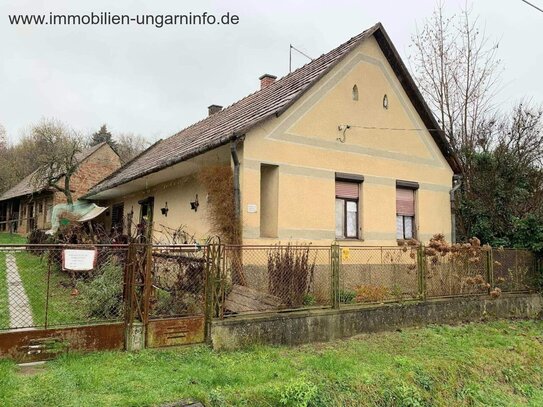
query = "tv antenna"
{"x": 292, "y": 47}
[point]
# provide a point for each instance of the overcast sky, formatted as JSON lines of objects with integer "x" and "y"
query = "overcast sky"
{"x": 156, "y": 81}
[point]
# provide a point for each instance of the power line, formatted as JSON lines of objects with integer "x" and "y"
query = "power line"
{"x": 533, "y": 5}
{"x": 392, "y": 128}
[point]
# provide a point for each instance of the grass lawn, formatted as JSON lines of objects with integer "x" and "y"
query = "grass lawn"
{"x": 4, "y": 312}
{"x": 63, "y": 308}
{"x": 8, "y": 238}
{"x": 496, "y": 364}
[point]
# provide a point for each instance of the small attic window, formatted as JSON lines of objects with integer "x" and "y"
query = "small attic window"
{"x": 355, "y": 92}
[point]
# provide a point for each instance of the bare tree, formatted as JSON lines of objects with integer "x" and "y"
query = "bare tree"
{"x": 457, "y": 70}
{"x": 17, "y": 161}
{"x": 3, "y": 138}
{"x": 57, "y": 157}
{"x": 129, "y": 145}
{"x": 521, "y": 134}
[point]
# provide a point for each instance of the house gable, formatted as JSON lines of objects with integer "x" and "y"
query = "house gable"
{"x": 395, "y": 133}
{"x": 309, "y": 143}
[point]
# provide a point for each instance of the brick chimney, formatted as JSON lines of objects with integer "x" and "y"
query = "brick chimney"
{"x": 266, "y": 80}
{"x": 213, "y": 109}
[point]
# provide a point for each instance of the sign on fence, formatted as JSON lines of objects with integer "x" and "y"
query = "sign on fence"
{"x": 78, "y": 259}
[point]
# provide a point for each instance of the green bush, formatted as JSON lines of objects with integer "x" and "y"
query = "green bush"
{"x": 103, "y": 295}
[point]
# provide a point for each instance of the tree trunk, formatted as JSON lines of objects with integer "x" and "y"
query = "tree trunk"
{"x": 67, "y": 192}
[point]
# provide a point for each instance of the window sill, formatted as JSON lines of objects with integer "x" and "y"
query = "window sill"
{"x": 349, "y": 239}
{"x": 402, "y": 242}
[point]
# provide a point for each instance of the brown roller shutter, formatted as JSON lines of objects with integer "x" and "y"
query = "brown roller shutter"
{"x": 405, "y": 202}
{"x": 347, "y": 190}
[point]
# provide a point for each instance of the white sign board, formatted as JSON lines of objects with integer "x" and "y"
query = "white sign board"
{"x": 78, "y": 260}
{"x": 251, "y": 208}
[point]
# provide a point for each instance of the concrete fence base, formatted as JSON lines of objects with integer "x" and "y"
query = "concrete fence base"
{"x": 307, "y": 326}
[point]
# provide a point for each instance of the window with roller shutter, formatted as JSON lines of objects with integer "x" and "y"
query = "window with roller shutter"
{"x": 405, "y": 212}
{"x": 347, "y": 199}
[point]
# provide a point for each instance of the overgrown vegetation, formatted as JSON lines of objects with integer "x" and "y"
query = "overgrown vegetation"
{"x": 494, "y": 364}
{"x": 219, "y": 184}
{"x": 290, "y": 273}
{"x": 178, "y": 283}
{"x": 102, "y": 295}
{"x": 458, "y": 70}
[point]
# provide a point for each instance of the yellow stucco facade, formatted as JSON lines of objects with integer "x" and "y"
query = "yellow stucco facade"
{"x": 381, "y": 144}
{"x": 176, "y": 193}
{"x": 289, "y": 165}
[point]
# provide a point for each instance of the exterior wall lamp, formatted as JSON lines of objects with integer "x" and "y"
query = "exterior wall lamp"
{"x": 195, "y": 204}
{"x": 165, "y": 210}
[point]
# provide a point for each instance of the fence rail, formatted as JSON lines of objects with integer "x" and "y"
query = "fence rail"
{"x": 143, "y": 282}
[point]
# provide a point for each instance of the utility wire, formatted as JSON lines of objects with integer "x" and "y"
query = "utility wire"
{"x": 533, "y": 5}
{"x": 292, "y": 47}
{"x": 392, "y": 128}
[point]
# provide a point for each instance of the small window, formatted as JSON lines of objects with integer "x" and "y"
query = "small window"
{"x": 355, "y": 92}
{"x": 40, "y": 207}
{"x": 347, "y": 197}
{"x": 405, "y": 213}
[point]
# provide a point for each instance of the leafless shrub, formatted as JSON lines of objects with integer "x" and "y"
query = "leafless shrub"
{"x": 290, "y": 273}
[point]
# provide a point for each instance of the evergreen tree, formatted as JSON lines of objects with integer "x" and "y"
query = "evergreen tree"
{"x": 102, "y": 135}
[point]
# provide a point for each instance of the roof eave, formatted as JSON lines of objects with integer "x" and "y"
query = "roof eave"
{"x": 221, "y": 142}
{"x": 412, "y": 90}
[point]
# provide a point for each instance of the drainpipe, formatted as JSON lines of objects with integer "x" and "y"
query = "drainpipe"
{"x": 457, "y": 182}
{"x": 234, "y": 152}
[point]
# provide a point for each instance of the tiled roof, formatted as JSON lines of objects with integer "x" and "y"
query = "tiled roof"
{"x": 27, "y": 186}
{"x": 236, "y": 119}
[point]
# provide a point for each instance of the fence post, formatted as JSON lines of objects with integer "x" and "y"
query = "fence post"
{"x": 490, "y": 268}
{"x": 335, "y": 268}
{"x": 214, "y": 294}
{"x": 421, "y": 272}
{"x": 47, "y": 292}
{"x": 137, "y": 294}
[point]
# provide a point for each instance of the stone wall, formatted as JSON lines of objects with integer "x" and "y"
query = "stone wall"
{"x": 300, "y": 327}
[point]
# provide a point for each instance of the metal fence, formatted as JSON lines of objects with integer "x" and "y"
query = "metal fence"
{"x": 142, "y": 282}
{"x": 267, "y": 278}
{"x": 36, "y": 291}
{"x": 260, "y": 279}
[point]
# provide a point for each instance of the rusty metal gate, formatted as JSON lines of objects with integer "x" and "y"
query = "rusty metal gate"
{"x": 46, "y": 310}
{"x": 172, "y": 289}
{"x": 175, "y": 298}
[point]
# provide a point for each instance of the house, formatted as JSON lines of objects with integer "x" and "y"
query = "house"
{"x": 28, "y": 206}
{"x": 343, "y": 148}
